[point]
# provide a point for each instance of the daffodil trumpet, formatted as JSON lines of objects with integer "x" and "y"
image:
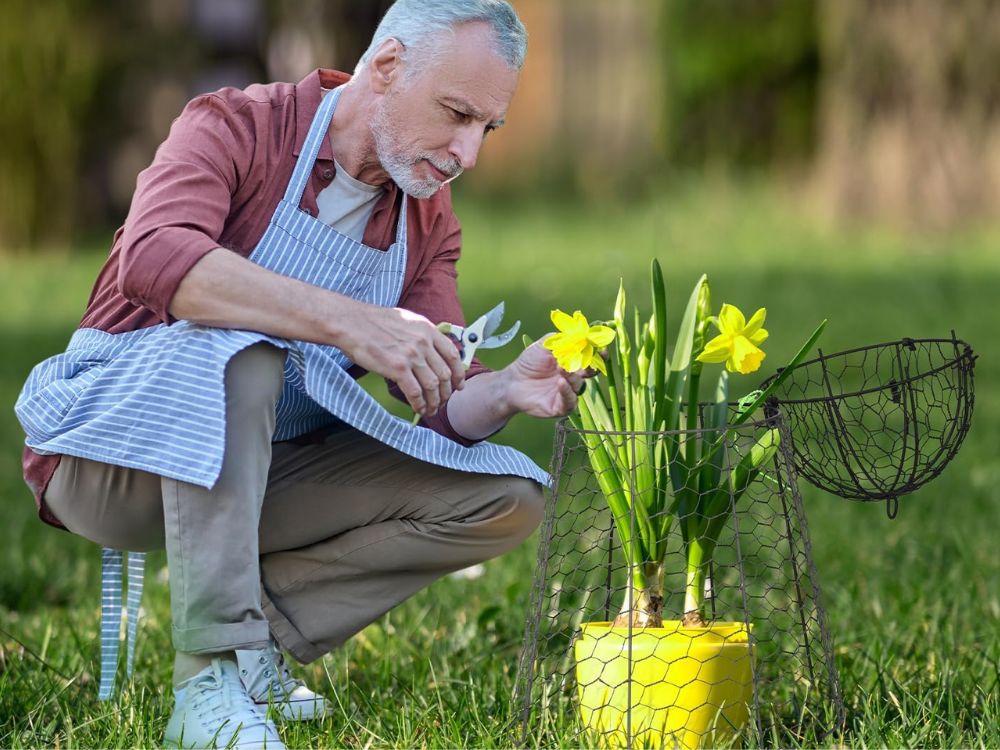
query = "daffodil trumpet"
{"x": 657, "y": 461}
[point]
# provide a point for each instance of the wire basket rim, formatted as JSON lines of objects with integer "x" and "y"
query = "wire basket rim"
{"x": 966, "y": 354}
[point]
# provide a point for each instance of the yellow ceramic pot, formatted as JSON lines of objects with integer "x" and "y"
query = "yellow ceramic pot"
{"x": 688, "y": 688}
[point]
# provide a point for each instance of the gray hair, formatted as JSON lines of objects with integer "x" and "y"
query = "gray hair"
{"x": 417, "y": 24}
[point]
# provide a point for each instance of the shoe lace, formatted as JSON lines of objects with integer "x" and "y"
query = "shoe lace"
{"x": 216, "y": 698}
{"x": 271, "y": 674}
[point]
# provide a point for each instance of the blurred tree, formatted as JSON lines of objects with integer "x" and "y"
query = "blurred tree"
{"x": 90, "y": 88}
{"x": 50, "y": 58}
{"x": 307, "y": 34}
{"x": 741, "y": 80}
{"x": 911, "y": 109}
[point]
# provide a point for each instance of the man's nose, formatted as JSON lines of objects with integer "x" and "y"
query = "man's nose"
{"x": 465, "y": 146}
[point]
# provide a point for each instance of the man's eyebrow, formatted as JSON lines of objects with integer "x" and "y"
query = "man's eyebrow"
{"x": 469, "y": 109}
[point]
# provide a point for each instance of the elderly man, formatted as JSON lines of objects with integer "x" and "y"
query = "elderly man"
{"x": 286, "y": 239}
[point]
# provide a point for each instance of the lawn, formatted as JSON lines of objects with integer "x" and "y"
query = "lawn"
{"x": 913, "y": 603}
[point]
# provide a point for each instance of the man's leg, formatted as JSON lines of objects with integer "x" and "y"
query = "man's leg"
{"x": 351, "y": 528}
{"x": 211, "y": 541}
{"x": 211, "y": 534}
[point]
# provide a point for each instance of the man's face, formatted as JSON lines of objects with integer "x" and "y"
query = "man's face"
{"x": 429, "y": 126}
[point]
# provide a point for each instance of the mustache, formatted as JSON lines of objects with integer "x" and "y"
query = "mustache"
{"x": 451, "y": 168}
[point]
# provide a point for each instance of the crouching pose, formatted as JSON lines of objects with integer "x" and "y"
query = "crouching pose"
{"x": 286, "y": 239}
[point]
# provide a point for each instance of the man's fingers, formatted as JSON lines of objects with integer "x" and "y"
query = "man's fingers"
{"x": 410, "y": 388}
{"x": 434, "y": 390}
{"x": 447, "y": 366}
{"x": 576, "y": 379}
{"x": 568, "y": 395}
{"x": 448, "y": 350}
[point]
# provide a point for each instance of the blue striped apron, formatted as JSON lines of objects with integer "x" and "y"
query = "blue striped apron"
{"x": 154, "y": 400}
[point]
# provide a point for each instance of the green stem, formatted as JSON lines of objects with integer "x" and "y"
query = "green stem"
{"x": 697, "y": 566}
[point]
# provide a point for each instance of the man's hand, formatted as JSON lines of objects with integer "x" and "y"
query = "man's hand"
{"x": 407, "y": 349}
{"x": 539, "y": 387}
{"x": 533, "y": 383}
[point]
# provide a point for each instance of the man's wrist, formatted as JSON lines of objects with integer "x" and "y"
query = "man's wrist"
{"x": 334, "y": 320}
{"x": 483, "y": 406}
{"x": 503, "y": 388}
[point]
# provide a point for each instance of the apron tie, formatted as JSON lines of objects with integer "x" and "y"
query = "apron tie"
{"x": 111, "y": 614}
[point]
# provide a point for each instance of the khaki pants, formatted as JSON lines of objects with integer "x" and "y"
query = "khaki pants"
{"x": 309, "y": 542}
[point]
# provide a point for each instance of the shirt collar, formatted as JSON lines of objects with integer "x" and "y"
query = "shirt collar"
{"x": 307, "y": 99}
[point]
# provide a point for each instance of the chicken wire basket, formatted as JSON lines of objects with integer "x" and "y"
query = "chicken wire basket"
{"x": 583, "y": 683}
{"x": 880, "y": 421}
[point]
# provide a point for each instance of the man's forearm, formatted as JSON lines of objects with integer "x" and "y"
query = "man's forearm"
{"x": 226, "y": 290}
{"x": 482, "y": 407}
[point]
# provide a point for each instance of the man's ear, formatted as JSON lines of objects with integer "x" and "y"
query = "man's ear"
{"x": 386, "y": 65}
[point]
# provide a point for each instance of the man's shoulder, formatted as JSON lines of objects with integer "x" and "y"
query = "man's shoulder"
{"x": 256, "y": 97}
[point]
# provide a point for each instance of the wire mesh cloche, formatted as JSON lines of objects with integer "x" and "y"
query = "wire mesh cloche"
{"x": 759, "y": 665}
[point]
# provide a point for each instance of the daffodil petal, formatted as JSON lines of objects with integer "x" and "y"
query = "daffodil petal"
{"x": 597, "y": 363}
{"x": 601, "y": 336}
{"x": 755, "y": 322}
{"x": 759, "y": 337}
{"x": 561, "y": 320}
{"x": 574, "y": 362}
{"x": 731, "y": 320}
{"x": 716, "y": 350}
{"x": 554, "y": 341}
{"x": 746, "y": 357}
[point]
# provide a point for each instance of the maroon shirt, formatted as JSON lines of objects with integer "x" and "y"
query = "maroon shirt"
{"x": 215, "y": 182}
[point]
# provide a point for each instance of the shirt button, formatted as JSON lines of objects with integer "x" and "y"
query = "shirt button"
{"x": 327, "y": 174}
{"x": 308, "y": 211}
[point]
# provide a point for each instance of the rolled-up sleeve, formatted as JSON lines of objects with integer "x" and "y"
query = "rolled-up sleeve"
{"x": 182, "y": 200}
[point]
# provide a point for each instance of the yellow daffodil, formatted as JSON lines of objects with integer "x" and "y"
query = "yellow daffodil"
{"x": 737, "y": 342}
{"x": 578, "y": 344}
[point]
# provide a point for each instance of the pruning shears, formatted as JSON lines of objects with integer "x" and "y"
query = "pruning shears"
{"x": 480, "y": 334}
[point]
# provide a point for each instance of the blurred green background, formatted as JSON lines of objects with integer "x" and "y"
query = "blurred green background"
{"x": 831, "y": 159}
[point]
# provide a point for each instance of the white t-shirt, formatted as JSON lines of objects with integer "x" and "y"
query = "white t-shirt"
{"x": 346, "y": 204}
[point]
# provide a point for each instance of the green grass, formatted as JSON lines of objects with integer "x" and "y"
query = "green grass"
{"x": 913, "y": 603}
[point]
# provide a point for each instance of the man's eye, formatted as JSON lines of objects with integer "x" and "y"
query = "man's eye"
{"x": 459, "y": 116}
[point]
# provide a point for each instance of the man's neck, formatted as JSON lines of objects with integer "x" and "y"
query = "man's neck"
{"x": 350, "y": 135}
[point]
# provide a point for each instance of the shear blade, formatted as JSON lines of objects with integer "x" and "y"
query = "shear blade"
{"x": 493, "y": 318}
{"x": 500, "y": 339}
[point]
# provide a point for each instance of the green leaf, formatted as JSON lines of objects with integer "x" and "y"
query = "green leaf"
{"x": 658, "y": 328}
{"x": 685, "y": 336}
{"x": 612, "y": 487}
{"x": 641, "y": 461}
{"x": 739, "y": 480}
{"x": 526, "y": 340}
{"x": 715, "y": 422}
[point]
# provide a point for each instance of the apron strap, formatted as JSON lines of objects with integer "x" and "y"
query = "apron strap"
{"x": 111, "y": 614}
{"x": 310, "y": 149}
{"x": 401, "y": 224}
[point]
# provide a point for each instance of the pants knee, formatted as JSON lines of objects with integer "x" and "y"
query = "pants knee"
{"x": 527, "y": 506}
{"x": 254, "y": 376}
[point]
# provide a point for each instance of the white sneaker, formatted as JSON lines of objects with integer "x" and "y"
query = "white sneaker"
{"x": 213, "y": 710}
{"x": 268, "y": 680}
